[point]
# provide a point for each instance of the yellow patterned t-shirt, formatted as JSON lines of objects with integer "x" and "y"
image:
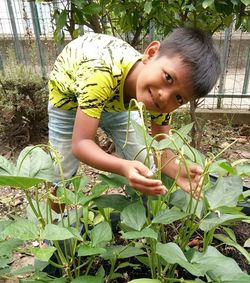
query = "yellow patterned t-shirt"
{"x": 90, "y": 73}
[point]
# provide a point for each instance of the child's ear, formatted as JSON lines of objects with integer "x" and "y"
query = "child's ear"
{"x": 151, "y": 51}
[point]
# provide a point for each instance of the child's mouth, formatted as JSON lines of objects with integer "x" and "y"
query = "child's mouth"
{"x": 155, "y": 103}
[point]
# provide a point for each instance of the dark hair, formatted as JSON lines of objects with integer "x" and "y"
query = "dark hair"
{"x": 197, "y": 51}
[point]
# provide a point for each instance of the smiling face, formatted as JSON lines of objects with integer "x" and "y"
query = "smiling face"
{"x": 163, "y": 84}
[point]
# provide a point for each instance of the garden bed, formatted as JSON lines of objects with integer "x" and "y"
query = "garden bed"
{"x": 216, "y": 137}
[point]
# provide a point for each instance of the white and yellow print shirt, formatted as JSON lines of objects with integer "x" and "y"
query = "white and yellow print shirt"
{"x": 90, "y": 73}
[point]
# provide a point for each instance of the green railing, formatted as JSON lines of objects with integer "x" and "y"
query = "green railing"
{"x": 26, "y": 30}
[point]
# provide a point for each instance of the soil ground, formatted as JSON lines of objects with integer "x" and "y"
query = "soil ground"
{"x": 215, "y": 138}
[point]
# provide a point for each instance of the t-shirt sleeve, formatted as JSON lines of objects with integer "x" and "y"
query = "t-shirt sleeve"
{"x": 93, "y": 85}
{"x": 161, "y": 119}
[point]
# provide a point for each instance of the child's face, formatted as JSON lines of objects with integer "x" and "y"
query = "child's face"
{"x": 163, "y": 83}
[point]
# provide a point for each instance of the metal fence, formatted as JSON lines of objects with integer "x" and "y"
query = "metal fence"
{"x": 26, "y": 30}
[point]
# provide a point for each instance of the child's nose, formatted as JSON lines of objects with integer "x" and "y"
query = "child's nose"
{"x": 164, "y": 95}
{"x": 165, "y": 100}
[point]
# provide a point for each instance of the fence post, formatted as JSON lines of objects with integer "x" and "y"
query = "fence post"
{"x": 247, "y": 74}
{"x": 36, "y": 25}
{"x": 18, "y": 48}
{"x": 1, "y": 64}
{"x": 225, "y": 57}
{"x": 152, "y": 30}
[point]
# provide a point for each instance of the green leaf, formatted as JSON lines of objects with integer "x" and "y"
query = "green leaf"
{"x": 127, "y": 264}
{"x": 144, "y": 233}
{"x": 168, "y": 216}
{"x": 226, "y": 240}
{"x": 100, "y": 272}
{"x": 20, "y": 182}
{"x": 91, "y": 9}
{"x": 80, "y": 182}
{"x": 84, "y": 200}
{"x": 207, "y": 3}
{"x": 56, "y": 233}
{"x": 216, "y": 168}
{"x": 87, "y": 279}
{"x": 144, "y": 260}
{"x": 190, "y": 8}
{"x": 148, "y": 6}
{"x": 223, "y": 6}
{"x": 43, "y": 254}
{"x": 145, "y": 280}
{"x": 230, "y": 233}
{"x": 39, "y": 265}
{"x": 75, "y": 232}
{"x": 175, "y": 140}
{"x": 246, "y": 194}
{"x": 125, "y": 23}
{"x": 181, "y": 200}
{"x": 225, "y": 192}
{"x": 194, "y": 155}
{"x": 172, "y": 254}
{"x": 6, "y": 167}
{"x": 3, "y": 225}
{"x": 22, "y": 229}
{"x": 66, "y": 195}
{"x": 113, "y": 180}
{"x": 116, "y": 275}
{"x": 247, "y": 243}
{"x": 98, "y": 189}
{"x": 4, "y": 261}
{"x": 243, "y": 170}
{"x": 214, "y": 264}
{"x": 245, "y": 2}
{"x": 134, "y": 216}
{"x": 43, "y": 209}
{"x": 35, "y": 162}
{"x": 57, "y": 280}
{"x": 213, "y": 220}
{"x": 61, "y": 20}
{"x": 142, "y": 137}
{"x": 24, "y": 269}
{"x": 115, "y": 201}
{"x": 235, "y": 2}
{"x": 228, "y": 167}
{"x": 8, "y": 246}
{"x": 76, "y": 33}
{"x": 100, "y": 234}
{"x": 89, "y": 251}
{"x": 113, "y": 252}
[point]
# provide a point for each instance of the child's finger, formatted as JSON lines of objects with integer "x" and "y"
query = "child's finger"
{"x": 159, "y": 190}
{"x": 195, "y": 170}
{"x": 137, "y": 178}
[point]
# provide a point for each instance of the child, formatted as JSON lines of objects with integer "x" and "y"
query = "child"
{"x": 92, "y": 83}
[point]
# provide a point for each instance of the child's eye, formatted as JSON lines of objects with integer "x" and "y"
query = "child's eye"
{"x": 168, "y": 78}
{"x": 179, "y": 99}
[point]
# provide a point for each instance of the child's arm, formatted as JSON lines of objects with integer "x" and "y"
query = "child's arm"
{"x": 172, "y": 167}
{"x": 86, "y": 150}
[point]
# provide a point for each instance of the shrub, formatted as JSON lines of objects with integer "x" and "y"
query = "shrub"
{"x": 23, "y": 104}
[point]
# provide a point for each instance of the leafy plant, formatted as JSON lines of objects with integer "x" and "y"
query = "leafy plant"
{"x": 106, "y": 233}
{"x": 133, "y": 20}
{"x": 23, "y": 102}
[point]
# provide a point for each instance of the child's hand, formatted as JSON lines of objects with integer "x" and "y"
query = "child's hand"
{"x": 195, "y": 173}
{"x": 139, "y": 177}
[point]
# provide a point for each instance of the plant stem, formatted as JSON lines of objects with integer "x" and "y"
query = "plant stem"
{"x": 38, "y": 208}
{"x": 112, "y": 268}
{"x": 33, "y": 208}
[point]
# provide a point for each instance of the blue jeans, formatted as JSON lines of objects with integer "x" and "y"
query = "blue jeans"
{"x": 61, "y": 124}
